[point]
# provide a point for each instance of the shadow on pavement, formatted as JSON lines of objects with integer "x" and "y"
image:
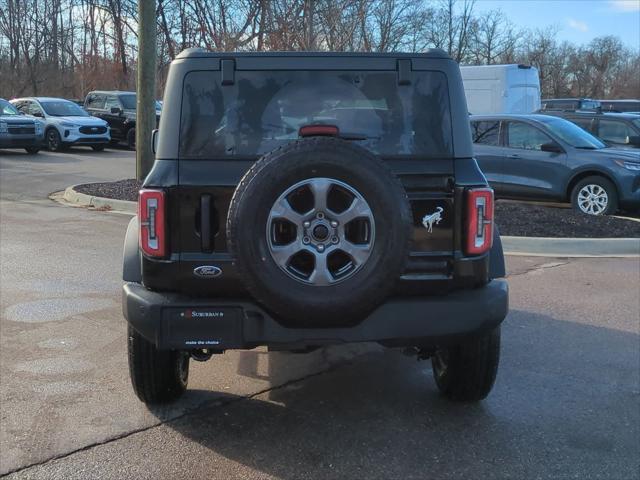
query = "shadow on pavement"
{"x": 565, "y": 404}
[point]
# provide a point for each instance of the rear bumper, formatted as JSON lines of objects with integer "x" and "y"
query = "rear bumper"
{"x": 174, "y": 321}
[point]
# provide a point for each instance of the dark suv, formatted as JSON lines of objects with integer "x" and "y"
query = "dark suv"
{"x": 569, "y": 104}
{"x": 118, "y": 109}
{"x": 299, "y": 200}
{"x": 621, "y": 106}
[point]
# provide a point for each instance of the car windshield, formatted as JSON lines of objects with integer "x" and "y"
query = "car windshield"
{"x": 128, "y": 101}
{"x": 572, "y": 134}
{"x": 62, "y": 108}
{"x": 7, "y": 109}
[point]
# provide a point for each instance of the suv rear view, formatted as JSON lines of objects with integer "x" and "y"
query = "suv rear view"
{"x": 299, "y": 200}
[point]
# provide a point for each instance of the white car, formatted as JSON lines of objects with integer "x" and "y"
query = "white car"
{"x": 65, "y": 123}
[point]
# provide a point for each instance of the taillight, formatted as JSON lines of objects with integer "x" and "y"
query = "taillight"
{"x": 479, "y": 222}
{"x": 152, "y": 224}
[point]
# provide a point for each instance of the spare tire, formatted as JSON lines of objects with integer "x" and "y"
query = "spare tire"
{"x": 320, "y": 232}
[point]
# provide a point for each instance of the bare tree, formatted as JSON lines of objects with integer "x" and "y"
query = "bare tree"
{"x": 68, "y": 47}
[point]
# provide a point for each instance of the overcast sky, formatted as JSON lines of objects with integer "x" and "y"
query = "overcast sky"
{"x": 579, "y": 21}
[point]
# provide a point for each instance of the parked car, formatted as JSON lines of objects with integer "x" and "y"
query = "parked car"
{"x": 620, "y": 130}
{"x": 542, "y": 157}
{"x": 65, "y": 123}
{"x": 569, "y": 104}
{"x": 18, "y": 131}
{"x": 118, "y": 109}
{"x": 495, "y": 89}
{"x": 379, "y": 224}
{"x": 621, "y": 106}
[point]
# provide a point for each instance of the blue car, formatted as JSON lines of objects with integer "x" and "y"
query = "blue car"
{"x": 541, "y": 157}
{"x": 19, "y": 131}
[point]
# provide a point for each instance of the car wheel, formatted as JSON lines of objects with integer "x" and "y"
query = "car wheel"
{"x": 320, "y": 232}
{"x": 157, "y": 376}
{"x": 54, "y": 142}
{"x": 97, "y": 148}
{"x": 595, "y": 196}
{"x": 32, "y": 149}
{"x": 131, "y": 139}
{"x": 467, "y": 371}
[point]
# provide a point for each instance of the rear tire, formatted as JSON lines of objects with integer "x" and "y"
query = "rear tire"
{"x": 32, "y": 150}
{"x": 157, "y": 376}
{"x": 467, "y": 371}
{"x": 131, "y": 139}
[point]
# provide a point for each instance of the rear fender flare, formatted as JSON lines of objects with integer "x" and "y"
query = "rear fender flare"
{"x": 132, "y": 261}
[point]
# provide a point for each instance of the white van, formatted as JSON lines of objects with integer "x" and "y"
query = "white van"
{"x": 497, "y": 89}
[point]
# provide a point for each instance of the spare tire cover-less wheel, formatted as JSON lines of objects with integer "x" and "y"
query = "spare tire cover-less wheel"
{"x": 320, "y": 232}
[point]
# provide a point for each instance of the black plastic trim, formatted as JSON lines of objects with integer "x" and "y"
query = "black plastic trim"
{"x": 410, "y": 321}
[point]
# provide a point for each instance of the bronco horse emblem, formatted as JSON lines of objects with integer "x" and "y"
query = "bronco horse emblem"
{"x": 429, "y": 220}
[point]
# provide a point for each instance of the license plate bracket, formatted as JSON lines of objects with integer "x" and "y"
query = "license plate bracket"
{"x": 202, "y": 327}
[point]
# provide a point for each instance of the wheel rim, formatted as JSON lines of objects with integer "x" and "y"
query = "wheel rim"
{"x": 593, "y": 199}
{"x": 320, "y": 231}
{"x": 53, "y": 140}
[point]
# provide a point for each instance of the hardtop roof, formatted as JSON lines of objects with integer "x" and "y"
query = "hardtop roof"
{"x": 202, "y": 53}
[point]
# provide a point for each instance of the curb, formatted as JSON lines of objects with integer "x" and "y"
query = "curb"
{"x": 110, "y": 204}
{"x": 517, "y": 246}
{"x": 571, "y": 247}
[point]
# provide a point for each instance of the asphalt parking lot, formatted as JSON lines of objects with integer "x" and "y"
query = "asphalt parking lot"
{"x": 566, "y": 403}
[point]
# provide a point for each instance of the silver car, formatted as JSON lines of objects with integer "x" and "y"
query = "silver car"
{"x": 66, "y": 124}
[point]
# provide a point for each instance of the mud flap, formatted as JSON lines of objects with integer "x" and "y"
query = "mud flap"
{"x": 496, "y": 257}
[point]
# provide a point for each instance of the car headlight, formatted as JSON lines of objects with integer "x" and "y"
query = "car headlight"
{"x": 634, "y": 166}
{"x": 3, "y": 127}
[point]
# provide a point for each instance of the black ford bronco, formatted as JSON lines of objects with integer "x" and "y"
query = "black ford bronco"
{"x": 305, "y": 199}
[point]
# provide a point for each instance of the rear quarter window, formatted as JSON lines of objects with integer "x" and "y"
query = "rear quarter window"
{"x": 486, "y": 132}
{"x": 263, "y": 110}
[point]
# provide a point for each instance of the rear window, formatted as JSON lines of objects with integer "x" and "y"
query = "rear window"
{"x": 263, "y": 110}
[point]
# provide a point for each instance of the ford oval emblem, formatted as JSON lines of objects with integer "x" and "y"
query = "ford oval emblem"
{"x": 207, "y": 271}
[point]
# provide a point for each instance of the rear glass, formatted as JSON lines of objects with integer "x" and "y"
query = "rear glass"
{"x": 263, "y": 110}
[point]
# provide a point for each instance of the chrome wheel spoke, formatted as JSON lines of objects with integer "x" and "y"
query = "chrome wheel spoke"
{"x": 282, "y": 209}
{"x": 358, "y": 253}
{"x": 320, "y": 189}
{"x": 321, "y": 274}
{"x": 358, "y": 208}
{"x": 282, "y": 254}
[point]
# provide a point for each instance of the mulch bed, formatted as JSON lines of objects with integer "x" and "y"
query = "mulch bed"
{"x": 517, "y": 219}
{"x": 525, "y": 220}
{"x": 120, "y": 190}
